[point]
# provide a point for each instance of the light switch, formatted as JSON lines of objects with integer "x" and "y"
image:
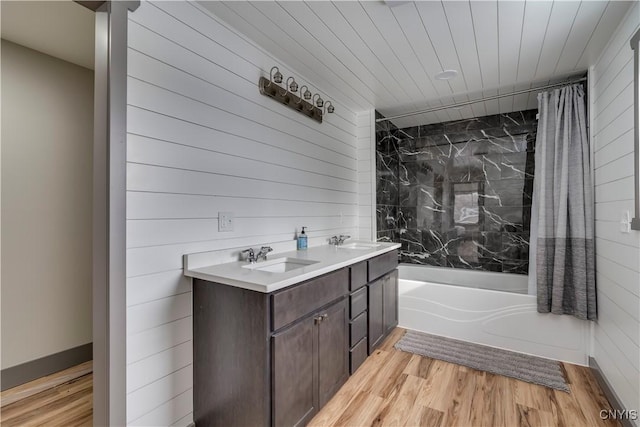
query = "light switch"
{"x": 625, "y": 222}
{"x": 225, "y": 221}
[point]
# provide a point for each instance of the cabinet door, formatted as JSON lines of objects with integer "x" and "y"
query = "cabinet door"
{"x": 376, "y": 326}
{"x": 390, "y": 301}
{"x": 294, "y": 378}
{"x": 333, "y": 350}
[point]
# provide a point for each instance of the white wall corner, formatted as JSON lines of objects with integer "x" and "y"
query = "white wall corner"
{"x": 372, "y": 127}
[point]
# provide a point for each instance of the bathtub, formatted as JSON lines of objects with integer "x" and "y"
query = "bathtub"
{"x": 487, "y": 308}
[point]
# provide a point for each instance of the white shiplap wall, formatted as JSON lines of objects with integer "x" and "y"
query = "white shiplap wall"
{"x": 201, "y": 139}
{"x": 617, "y": 333}
{"x": 366, "y": 175}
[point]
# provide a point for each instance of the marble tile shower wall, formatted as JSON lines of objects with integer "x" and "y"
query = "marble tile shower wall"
{"x": 458, "y": 194}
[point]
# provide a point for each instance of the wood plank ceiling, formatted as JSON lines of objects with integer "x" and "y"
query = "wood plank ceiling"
{"x": 385, "y": 54}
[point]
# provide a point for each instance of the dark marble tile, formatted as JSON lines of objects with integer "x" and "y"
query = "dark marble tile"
{"x": 387, "y": 144}
{"x": 516, "y": 246}
{"x": 492, "y": 166}
{"x": 492, "y": 244}
{"x": 503, "y": 218}
{"x": 530, "y": 165}
{"x": 409, "y": 195}
{"x": 416, "y": 151}
{"x": 387, "y": 179}
{"x": 411, "y": 241}
{"x": 434, "y": 242}
{"x": 520, "y": 131}
{"x": 508, "y": 192}
{"x": 517, "y": 142}
{"x": 387, "y": 191}
{"x": 464, "y": 169}
{"x": 387, "y": 236}
{"x": 467, "y": 249}
{"x": 531, "y": 142}
{"x": 462, "y": 138}
{"x": 421, "y": 258}
{"x": 519, "y": 118}
{"x": 514, "y": 165}
{"x": 472, "y": 124}
{"x": 386, "y": 217}
{"x": 422, "y": 173}
{"x": 515, "y": 267}
{"x": 430, "y": 174}
{"x": 407, "y": 217}
{"x": 410, "y": 133}
{"x": 431, "y": 209}
{"x": 432, "y": 129}
{"x": 491, "y": 264}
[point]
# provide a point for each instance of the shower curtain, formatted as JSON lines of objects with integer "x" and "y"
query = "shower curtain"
{"x": 562, "y": 239}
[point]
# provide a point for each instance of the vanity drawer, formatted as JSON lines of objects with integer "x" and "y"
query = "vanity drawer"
{"x": 295, "y": 302}
{"x": 382, "y": 264}
{"x": 357, "y": 355}
{"x": 358, "y": 275}
{"x": 358, "y": 328}
{"x": 358, "y": 302}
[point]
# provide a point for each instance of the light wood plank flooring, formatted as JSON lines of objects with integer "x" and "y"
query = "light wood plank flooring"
{"x": 398, "y": 388}
{"x": 61, "y": 399}
{"x": 390, "y": 388}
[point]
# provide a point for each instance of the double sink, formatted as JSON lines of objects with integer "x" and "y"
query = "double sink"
{"x": 282, "y": 265}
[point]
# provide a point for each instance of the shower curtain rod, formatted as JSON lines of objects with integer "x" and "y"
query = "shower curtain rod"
{"x": 475, "y": 101}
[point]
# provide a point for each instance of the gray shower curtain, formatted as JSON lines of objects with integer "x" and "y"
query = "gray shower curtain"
{"x": 562, "y": 241}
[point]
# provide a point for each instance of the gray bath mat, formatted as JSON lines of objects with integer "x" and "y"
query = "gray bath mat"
{"x": 532, "y": 369}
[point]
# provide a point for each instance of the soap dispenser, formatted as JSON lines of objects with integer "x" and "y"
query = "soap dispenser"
{"x": 302, "y": 240}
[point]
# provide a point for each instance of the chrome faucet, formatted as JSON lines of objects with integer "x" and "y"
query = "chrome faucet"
{"x": 250, "y": 255}
{"x": 263, "y": 252}
{"x": 253, "y": 257}
{"x": 342, "y": 238}
{"x": 335, "y": 240}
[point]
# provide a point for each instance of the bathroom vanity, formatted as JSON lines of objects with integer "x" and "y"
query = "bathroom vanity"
{"x": 273, "y": 343}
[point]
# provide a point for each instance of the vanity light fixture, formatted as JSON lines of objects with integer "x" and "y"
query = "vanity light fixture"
{"x": 329, "y": 107}
{"x": 319, "y": 102}
{"x": 310, "y": 105}
{"x": 306, "y": 93}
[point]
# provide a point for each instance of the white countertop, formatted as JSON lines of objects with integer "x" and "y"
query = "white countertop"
{"x": 329, "y": 257}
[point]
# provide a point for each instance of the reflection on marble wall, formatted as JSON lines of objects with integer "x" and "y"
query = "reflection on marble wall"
{"x": 458, "y": 194}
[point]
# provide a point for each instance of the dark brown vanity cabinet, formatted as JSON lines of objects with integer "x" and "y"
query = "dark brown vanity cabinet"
{"x": 383, "y": 297}
{"x": 309, "y": 364}
{"x": 376, "y": 328}
{"x": 269, "y": 359}
{"x": 357, "y": 315}
{"x": 390, "y": 301}
{"x": 276, "y": 359}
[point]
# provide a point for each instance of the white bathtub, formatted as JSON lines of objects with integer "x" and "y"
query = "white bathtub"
{"x": 468, "y": 278}
{"x": 455, "y": 303}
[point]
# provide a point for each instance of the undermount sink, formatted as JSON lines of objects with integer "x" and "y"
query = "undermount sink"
{"x": 280, "y": 265}
{"x": 359, "y": 245}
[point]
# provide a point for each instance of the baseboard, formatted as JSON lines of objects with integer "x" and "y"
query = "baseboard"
{"x": 609, "y": 393}
{"x": 20, "y": 374}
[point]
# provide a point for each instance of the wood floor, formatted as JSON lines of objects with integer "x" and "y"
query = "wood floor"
{"x": 390, "y": 388}
{"x": 62, "y": 399}
{"x": 398, "y": 388}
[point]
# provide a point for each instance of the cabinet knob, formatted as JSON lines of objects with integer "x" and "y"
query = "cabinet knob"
{"x": 320, "y": 318}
